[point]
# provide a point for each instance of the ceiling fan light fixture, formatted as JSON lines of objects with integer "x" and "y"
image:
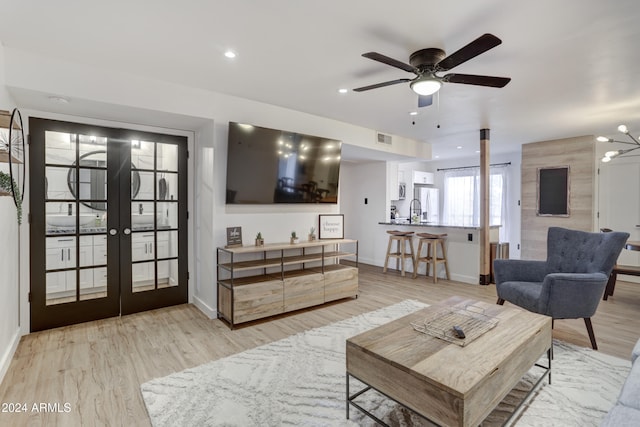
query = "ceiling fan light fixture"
{"x": 425, "y": 85}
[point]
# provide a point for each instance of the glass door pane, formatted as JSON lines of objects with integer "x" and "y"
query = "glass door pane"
{"x": 154, "y": 213}
{"x": 75, "y": 205}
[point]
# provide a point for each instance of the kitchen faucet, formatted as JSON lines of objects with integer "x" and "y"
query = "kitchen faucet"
{"x": 413, "y": 210}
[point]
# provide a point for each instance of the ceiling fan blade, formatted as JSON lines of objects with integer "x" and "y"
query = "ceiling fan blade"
{"x": 383, "y": 84}
{"x": 473, "y": 49}
{"x": 471, "y": 79}
{"x": 389, "y": 61}
{"x": 425, "y": 100}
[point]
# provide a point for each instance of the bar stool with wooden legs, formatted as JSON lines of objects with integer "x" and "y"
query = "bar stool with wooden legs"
{"x": 432, "y": 259}
{"x": 401, "y": 238}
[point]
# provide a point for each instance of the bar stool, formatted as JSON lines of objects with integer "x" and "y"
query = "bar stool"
{"x": 401, "y": 238}
{"x": 431, "y": 259}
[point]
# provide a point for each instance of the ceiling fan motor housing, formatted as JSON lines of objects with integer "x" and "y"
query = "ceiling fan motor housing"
{"x": 426, "y": 58}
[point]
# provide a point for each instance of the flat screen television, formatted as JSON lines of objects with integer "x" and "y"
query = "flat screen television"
{"x": 267, "y": 166}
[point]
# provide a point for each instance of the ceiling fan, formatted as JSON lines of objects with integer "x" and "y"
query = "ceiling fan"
{"x": 425, "y": 63}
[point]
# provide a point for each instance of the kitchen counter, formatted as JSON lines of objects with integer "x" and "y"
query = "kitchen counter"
{"x": 462, "y": 243}
{"x": 436, "y": 225}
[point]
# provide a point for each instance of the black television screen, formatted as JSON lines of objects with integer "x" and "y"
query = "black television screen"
{"x": 266, "y": 166}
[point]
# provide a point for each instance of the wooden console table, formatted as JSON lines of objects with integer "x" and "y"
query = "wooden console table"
{"x": 255, "y": 282}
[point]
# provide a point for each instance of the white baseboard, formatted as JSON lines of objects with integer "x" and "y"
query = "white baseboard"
{"x": 210, "y": 312}
{"x": 5, "y": 361}
{"x": 457, "y": 277}
{"x": 465, "y": 279}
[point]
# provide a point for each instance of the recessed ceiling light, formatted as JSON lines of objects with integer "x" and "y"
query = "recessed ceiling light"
{"x": 230, "y": 54}
{"x": 477, "y": 151}
{"x": 459, "y": 147}
{"x": 343, "y": 90}
{"x": 59, "y": 99}
{"x": 436, "y": 157}
{"x": 413, "y": 113}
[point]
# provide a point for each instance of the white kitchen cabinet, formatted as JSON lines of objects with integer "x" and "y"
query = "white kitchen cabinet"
{"x": 393, "y": 181}
{"x": 420, "y": 177}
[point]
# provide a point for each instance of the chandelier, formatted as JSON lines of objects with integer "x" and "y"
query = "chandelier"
{"x": 617, "y": 153}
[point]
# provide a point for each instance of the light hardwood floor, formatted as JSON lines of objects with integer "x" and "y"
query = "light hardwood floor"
{"x": 97, "y": 367}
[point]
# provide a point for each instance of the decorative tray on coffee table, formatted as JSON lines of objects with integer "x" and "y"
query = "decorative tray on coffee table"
{"x": 471, "y": 319}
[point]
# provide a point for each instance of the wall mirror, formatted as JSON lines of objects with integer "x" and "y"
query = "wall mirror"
{"x": 92, "y": 180}
{"x": 553, "y": 191}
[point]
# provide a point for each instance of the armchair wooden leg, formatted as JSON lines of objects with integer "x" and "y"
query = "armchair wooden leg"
{"x": 611, "y": 284}
{"x": 592, "y": 337}
{"x": 500, "y": 301}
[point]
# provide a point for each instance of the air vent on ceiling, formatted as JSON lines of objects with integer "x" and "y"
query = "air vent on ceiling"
{"x": 384, "y": 139}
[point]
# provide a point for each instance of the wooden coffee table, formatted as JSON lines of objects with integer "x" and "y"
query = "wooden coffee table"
{"x": 442, "y": 381}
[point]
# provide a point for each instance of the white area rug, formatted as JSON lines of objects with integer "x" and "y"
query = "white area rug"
{"x": 300, "y": 381}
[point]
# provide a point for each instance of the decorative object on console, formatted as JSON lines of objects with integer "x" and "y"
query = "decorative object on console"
{"x": 294, "y": 238}
{"x": 234, "y": 237}
{"x": 312, "y": 234}
{"x": 609, "y": 155}
{"x": 331, "y": 226}
{"x": 259, "y": 239}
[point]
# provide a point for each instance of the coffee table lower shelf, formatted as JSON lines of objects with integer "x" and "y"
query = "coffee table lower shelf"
{"x": 350, "y": 401}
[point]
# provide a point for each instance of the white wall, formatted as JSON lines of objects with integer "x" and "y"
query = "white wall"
{"x": 9, "y": 261}
{"x": 357, "y": 183}
{"x": 123, "y": 97}
{"x": 204, "y": 192}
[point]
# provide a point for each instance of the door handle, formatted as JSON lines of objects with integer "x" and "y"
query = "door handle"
{"x": 127, "y": 231}
{"x": 113, "y": 231}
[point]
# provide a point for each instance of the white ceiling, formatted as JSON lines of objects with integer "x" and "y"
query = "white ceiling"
{"x": 574, "y": 64}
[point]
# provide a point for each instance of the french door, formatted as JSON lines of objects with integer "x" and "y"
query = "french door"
{"x": 108, "y": 222}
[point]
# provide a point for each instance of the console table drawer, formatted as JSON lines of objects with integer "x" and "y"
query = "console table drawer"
{"x": 340, "y": 282}
{"x": 303, "y": 289}
{"x": 257, "y": 300}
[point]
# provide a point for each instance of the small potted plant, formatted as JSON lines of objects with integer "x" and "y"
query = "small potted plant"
{"x": 259, "y": 239}
{"x": 294, "y": 238}
{"x": 312, "y": 234}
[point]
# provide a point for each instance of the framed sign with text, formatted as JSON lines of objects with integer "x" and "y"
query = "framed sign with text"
{"x": 331, "y": 226}
{"x": 234, "y": 237}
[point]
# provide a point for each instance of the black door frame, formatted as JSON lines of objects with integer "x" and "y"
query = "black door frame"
{"x": 120, "y": 299}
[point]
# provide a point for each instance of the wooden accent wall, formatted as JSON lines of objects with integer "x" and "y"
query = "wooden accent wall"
{"x": 579, "y": 154}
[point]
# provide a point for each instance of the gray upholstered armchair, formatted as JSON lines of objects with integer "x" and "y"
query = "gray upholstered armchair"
{"x": 570, "y": 283}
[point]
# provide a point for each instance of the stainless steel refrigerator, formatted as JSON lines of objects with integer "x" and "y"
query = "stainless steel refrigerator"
{"x": 429, "y": 198}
